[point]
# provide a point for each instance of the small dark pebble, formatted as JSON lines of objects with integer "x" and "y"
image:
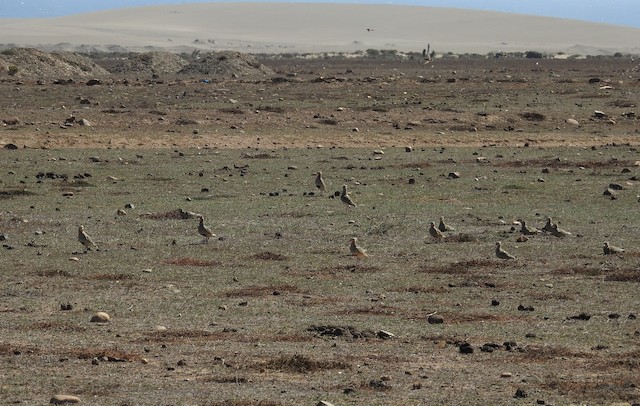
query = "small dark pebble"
{"x": 520, "y": 393}
{"x": 466, "y": 348}
{"x": 495, "y": 303}
{"x": 581, "y": 316}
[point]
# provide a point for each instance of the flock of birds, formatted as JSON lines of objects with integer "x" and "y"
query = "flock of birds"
{"x": 437, "y": 232}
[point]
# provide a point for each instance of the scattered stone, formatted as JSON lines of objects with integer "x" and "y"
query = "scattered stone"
{"x": 324, "y": 403}
{"x": 378, "y": 152}
{"x": 572, "y": 121}
{"x": 100, "y": 317}
{"x": 75, "y": 259}
{"x": 599, "y": 114}
{"x": 66, "y": 306}
{"x": 412, "y": 181}
{"x": 465, "y": 348}
{"x": 506, "y": 375}
{"x": 10, "y": 146}
{"x": 3, "y": 237}
{"x": 495, "y": 303}
{"x": 129, "y": 206}
{"x": 93, "y": 82}
{"x": 11, "y": 121}
{"x": 408, "y": 149}
{"x": 581, "y": 316}
{"x": 453, "y": 175}
{"x": 435, "y": 319}
{"x": 616, "y": 186}
{"x": 62, "y": 399}
{"x": 520, "y": 393}
{"x": 609, "y": 192}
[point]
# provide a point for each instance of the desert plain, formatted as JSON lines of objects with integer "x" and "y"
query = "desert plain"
{"x": 272, "y": 309}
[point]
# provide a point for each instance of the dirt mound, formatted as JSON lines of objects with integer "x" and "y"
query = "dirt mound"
{"x": 158, "y": 63}
{"x": 227, "y": 63}
{"x": 32, "y": 62}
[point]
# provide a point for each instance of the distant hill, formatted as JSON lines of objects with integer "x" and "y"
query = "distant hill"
{"x": 311, "y": 28}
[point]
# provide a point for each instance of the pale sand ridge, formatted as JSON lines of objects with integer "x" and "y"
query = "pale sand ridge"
{"x": 314, "y": 27}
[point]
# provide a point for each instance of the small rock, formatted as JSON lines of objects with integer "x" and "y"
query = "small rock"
{"x": 10, "y": 146}
{"x": 129, "y": 206}
{"x": 506, "y": 375}
{"x": 572, "y": 121}
{"x": 100, "y": 317}
{"x": 466, "y": 348}
{"x": 378, "y": 152}
{"x": 616, "y": 186}
{"x": 324, "y": 403}
{"x": 408, "y": 149}
{"x": 495, "y": 303}
{"x": 520, "y": 393}
{"x": 453, "y": 175}
{"x": 435, "y": 319}
{"x": 61, "y": 399}
{"x": 121, "y": 212}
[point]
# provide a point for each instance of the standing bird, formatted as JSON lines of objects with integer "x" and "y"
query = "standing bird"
{"x": 204, "y": 230}
{"x": 320, "y": 182}
{"x": 502, "y": 254}
{"x": 444, "y": 227}
{"x": 85, "y": 239}
{"x": 548, "y": 227}
{"x": 435, "y": 233}
{"x": 611, "y": 249}
{"x": 528, "y": 230}
{"x": 356, "y": 250}
{"x": 558, "y": 232}
{"x": 345, "y": 198}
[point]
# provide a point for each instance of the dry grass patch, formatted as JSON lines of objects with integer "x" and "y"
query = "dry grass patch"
{"x": 269, "y": 256}
{"x": 11, "y": 349}
{"x": 8, "y": 193}
{"x": 258, "y": 291}
{"x": 301, "y": 364}
{"x": 184, "y": 335}
{"x": 551, "y": 353}
{"x": 191, "y": 262}
{"x": 177, "y": 214}
{"x": 110, "y": 276}
{"x": 623, "y": 275}
{"x": 225, "y": 379}
{"x": 561, "y": 163}
{"x": 53, "y": 273}
{"x": 245, "y": 402}
{"x": 463, "y": 267}
{"x": 112, "y": 354}
{"x": 381, "y": 310}
{"x": 462, "y": 318}
{"x": 577, "y": 270}
{"x": 55, "y": 326}
{"x": 601, "y": 390}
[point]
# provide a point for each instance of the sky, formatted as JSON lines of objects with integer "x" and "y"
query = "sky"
{"x": 616, "y": 12}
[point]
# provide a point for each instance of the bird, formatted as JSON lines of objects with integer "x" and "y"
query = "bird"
{"x": 528, "y": 230}
{"x": 558, "y": 232}
{"x": 548, "y": 227}
{"x": 320, "y": 182}
{"x": 356, "y": 250}
{"x": 345, "y": 198}
{"x": 611, "y": 249}
{"x": 435, "y": 233}
{"x": 444, "y": 227}
{"x": 502, "y": 254}
{"x": 85, "y": 239}
{"x": 204, "y": 230}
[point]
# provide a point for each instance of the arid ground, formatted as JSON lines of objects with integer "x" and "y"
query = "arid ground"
{"x": 273, "y": 310}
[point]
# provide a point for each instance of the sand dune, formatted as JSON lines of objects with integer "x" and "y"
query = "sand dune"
{"x": 284, "y": 27}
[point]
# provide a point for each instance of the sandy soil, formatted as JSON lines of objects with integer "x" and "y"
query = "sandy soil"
{"x": 307, "y": 103}
{"x": 283, "y": 27}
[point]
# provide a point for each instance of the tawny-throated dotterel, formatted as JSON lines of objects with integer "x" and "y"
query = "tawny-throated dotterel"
{"x": 204, "y": 230}
{"x": 435, "y": 233}
{"x": 85, "y": 240}
{"x": 611, "y": 249}
{"x": 345, "y": 198}
{"x": 502, "y": 254}
{"x": 356, "y": 250}
{"x": 320, "y": 182}
{"x": 442, "y": 226}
